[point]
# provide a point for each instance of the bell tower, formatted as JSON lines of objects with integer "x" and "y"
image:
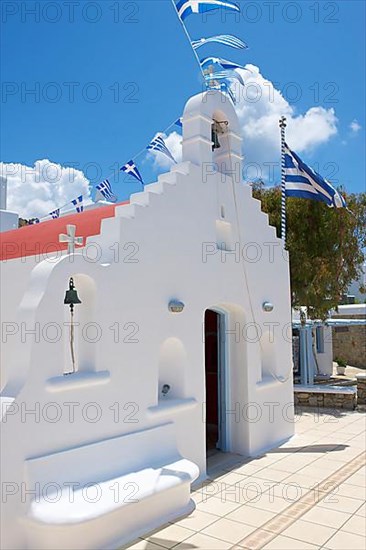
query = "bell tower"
{"x": 211, "y": 133}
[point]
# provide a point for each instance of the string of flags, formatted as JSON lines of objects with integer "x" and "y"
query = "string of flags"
{"x": 131, "y": 169}
{"x": 187, "y": 7}
{"x": 55, "y": 214}
{"x": 158, "y": 144}
{"x": 78, "y": 203}
{"x": 104, "y": 188}
{"x": 217, "y": 73}
{"x": 298, "y": 180}
{"x": 225, "y": 39}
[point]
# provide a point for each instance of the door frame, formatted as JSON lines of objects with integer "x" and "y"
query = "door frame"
{"x": 223, "y": 380}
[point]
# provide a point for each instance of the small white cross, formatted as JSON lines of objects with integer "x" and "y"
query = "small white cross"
{"x": 70, "y": 239}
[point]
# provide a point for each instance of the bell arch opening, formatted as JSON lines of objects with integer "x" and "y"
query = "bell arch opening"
{"x": 82, "y": 330}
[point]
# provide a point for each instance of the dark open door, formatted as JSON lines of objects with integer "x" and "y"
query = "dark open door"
{"x": 212, "y": 361}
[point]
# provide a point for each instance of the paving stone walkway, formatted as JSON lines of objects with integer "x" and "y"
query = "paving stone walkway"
{"x": 307, "y": 494}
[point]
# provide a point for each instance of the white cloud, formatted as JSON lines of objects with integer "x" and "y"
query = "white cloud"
{"x": 259, "y": 107}
{"x": 355, "y": 127}
{"x": 36, "y": 191}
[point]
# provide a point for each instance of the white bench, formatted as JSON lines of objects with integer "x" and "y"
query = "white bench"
{"x": 88, "y": 508}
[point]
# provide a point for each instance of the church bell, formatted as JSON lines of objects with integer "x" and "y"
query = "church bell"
{"x": 71, "y": 296}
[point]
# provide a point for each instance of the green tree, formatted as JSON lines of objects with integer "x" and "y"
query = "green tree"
{"x": 325, "y": 246}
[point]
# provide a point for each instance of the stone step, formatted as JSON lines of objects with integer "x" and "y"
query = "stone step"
{"x": 169, "y": 178}
{"x": 140, "y": 198}
{"x": 157, "y": 187}
{"x": 126, "y": 211}
{"x": 182, "y": 168}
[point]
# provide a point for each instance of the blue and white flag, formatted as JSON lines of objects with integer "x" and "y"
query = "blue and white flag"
{"x": 55, "y": 214}
{"x": 158, "y": 144}
{"x": 224, "y": 75}
{"x": 225, "y": 39}
{"x": 186, "y": 7}
{"x": 179, "y": 122}
{"x": 105, "y": 190}
{"x": 218, "y": 61}
{"x": 131, "y": 169}
{"x": 78, "y": 203}
{"x": 225, "y": 87}
{"x": 303, "y": 182}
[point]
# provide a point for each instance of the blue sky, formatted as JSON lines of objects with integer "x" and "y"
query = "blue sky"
{"x": 137, "y": 58}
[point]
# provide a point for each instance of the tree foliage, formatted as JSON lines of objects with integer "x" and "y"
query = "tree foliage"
{"x": 325, "y": 246}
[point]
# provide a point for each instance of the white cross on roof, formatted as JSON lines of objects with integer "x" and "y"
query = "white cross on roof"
{"x": 70, "y": 239}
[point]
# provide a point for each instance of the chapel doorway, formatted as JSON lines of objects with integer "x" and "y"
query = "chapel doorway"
{"x": 215, "y": 380}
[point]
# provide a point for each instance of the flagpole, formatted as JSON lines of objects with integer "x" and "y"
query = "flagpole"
{"x": 282, "y": 124}
{"x": 189, "y": 39}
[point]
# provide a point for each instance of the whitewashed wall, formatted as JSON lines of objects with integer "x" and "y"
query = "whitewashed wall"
{"x": 164, "y": 245}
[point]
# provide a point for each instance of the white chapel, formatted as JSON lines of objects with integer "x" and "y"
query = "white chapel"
{"x": 175, "y": 339}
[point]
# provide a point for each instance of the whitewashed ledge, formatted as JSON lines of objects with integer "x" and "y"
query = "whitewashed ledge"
{"x": 166, "y": 407}
{"x": 77, "y": 380}
{"x": 322, "y": 388}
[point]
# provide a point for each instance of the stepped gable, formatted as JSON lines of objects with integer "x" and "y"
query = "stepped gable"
{"x": 43, "y": 238}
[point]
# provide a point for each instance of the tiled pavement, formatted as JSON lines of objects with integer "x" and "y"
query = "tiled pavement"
{"x": 307, "y": 494}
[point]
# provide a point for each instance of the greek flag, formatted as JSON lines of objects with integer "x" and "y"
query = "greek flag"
{"x": 225, "y": 87}
{"x": 224, "y": 63}
{"x": 55, "y": 214}
{"x": 78, "y": 203}
{"x": 131, "y": 169}
{"x": 303, "y": 182}
{"x": 158, "y": 144}
{"x": 225, "y": 39}
{"x": 105, "y": 190}
{"x": 179, "y": 122}
{"x": 224, "y": 75}
{"x": 186, "y": 7}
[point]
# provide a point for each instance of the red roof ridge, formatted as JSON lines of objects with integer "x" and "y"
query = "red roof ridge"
{"x": 43, "y": 239}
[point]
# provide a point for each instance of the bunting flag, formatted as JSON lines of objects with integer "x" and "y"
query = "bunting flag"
{"x": 225, "y": 39}
{"x": 55, "y": 214}
{"x": 225, "y": 87}
{"x": 34, "y": 221}
{"x": 303, "y": 182}
{"x": 105, "y": 189}
{"x": 224, "y": 63}
{"x": 158, "y": 144}
{"x": 186, "y": 7}
{"x": 179, "y": 122}
{"x": 78, "y": 203}
{"x": 223, "y": 75}
{"x": 131, "y": 169}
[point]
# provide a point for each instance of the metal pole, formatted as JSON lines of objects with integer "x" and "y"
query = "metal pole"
{"x": 310, "y": 358}
{"x": 189, "y": 39}
{"x": 283, "y": 181}
{"x": 303, "y": 356}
